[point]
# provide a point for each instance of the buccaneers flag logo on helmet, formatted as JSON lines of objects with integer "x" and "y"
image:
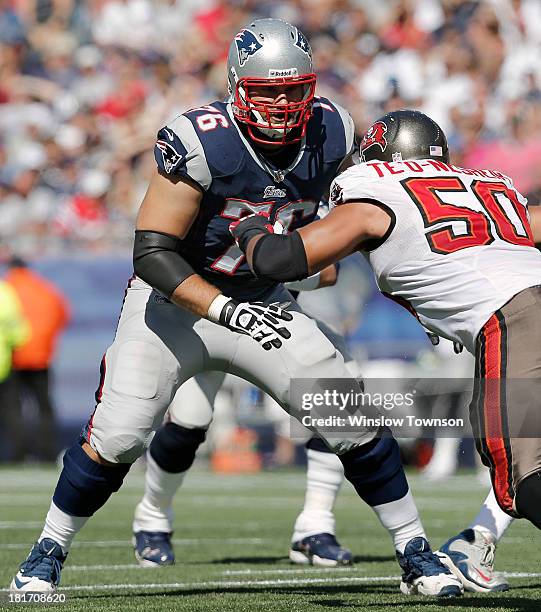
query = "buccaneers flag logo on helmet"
{"x": 375, "y": 136}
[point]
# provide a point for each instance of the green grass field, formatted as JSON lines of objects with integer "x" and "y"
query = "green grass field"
{"x": 231, "y": 541}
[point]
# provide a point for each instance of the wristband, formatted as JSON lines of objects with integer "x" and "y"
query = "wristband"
{"x": 216, "y": 307}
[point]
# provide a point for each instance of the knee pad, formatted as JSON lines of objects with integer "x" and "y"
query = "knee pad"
{"x": 84, "y": 485}
{"x": 528, "y": 499}
{"x": 316, "y": 443}
{"x": 375, "y": 470}
{"x": 173, "y": 447}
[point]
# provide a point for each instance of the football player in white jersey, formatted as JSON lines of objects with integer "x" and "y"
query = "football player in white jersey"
{"x": 456, "y": 247}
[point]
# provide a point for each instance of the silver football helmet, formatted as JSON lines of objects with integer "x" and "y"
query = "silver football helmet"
{"x": 271, "y": 81}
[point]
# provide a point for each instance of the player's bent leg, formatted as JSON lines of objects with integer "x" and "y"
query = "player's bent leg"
{"x": 139, "y": 378}
{"x": 314, "y": 538}
{"x": 371, "y": 464}
{"x": 171, "y": 454}
{"x": 375, "y": 470}
{"x": 83, "y": 487}
{"x": 470, "y": 555}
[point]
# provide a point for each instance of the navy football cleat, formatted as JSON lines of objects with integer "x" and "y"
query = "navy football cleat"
{"x": 470, "y": 556}
{"x": 153, "y": 548}
{"x": 320, "y": 549}
{"x": 40, "y": 573}
{"x": 424, "y": 573}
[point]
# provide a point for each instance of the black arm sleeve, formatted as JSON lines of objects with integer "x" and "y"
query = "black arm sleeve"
{"x": 157, "y": 261}
{"x": 280, "y": 258}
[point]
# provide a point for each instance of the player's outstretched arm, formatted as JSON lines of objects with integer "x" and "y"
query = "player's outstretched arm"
{"x": 535, "y": 222}
{"x": 346, "y": 229}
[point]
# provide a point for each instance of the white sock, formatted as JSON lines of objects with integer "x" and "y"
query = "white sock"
{"x": 155, "y": 511}
{"x": 62, "y": 527}
{"x": 324, "y": 475}
{"x": 401, "y": 520}
{"x": 492, "y": 518}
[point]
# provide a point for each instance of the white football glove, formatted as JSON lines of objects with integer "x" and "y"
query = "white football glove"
{"x": 263, "y": 322}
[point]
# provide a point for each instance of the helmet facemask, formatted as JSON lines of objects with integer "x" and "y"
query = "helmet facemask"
{"x": 277, "y": 123}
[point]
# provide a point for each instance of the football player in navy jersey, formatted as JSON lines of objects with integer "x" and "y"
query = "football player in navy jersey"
{"x": 194, "y": 306}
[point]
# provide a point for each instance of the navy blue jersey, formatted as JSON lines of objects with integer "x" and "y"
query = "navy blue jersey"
{"x": 206, "y": 146}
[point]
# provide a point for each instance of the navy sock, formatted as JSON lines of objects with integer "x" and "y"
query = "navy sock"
{"x": 173, "y": 447}
{"x": 84, "y": 485}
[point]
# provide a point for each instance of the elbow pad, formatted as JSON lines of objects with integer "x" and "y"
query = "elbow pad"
{"x": 157, "y": 261}
{"x": 280, "y": 258}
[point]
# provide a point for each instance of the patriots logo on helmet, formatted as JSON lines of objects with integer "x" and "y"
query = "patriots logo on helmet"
{"x": 375, "y": 136}
{"x": 247, "y": 45}
{"x": 171, "y": 157}
{"x": 303, "y": 43}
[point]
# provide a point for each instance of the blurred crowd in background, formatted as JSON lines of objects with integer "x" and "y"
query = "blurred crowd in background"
{"x": 85, "y": 84}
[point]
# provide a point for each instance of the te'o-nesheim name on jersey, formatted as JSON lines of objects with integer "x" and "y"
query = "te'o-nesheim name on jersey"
{"x": 428, "y": 165}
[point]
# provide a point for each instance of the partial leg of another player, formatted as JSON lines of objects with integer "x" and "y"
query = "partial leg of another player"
{"x": 504, "y": 416}
{"x": 314, "y": 536}
{"x": 470, "y": 554}
{"x": 171, "y": 454}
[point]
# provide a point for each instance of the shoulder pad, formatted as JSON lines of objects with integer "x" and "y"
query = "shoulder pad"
{"x": 219, "y": 138}
{"x": 337, "y": 124}
{"x": 178, "y": 152}
{"x": 200, "y": 144}
{"x": 355, "y": 183}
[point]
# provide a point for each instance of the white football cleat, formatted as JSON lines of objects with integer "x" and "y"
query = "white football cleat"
{"x": 40, "y": 573}
{"x": 470, "y": 556}
{"x": 424, "y": 573}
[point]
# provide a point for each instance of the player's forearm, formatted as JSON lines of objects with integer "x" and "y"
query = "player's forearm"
{"x": 157, "y": 261}
{"x": 195, "y": 294}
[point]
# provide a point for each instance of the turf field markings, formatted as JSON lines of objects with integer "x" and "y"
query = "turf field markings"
{"x": 21, "y": 524}
{"x": 244, "y": 572}
{"x": 306, "y": 570}
{"x": 128, "y": 543}
{"x": 225, "y": 584}
{"x": 93, "y": 568}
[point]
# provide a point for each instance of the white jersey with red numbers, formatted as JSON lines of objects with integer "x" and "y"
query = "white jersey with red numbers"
{"x": 459, "y": 246}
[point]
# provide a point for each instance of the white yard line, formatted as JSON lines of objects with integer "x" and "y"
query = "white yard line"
{"x": 256, "y": 572}
{"x": 113, "y": 568}
{"x": 123, "y": 543}
{"x": 226, "y": 584}
{"x": 243, "y": 572}
{"x": 306, "y": 570}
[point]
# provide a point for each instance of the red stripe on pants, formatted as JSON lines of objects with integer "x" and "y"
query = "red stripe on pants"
{"x": 492, "y": 410}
